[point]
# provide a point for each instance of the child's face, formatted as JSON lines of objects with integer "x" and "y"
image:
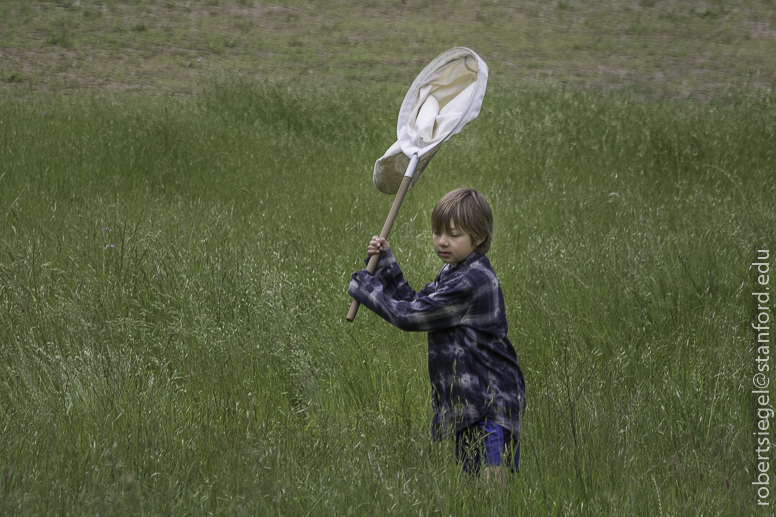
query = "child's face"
{"x": 454, "y": 246}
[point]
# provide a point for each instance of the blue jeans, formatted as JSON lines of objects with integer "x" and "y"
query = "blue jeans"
{"x": 485, "y": 443}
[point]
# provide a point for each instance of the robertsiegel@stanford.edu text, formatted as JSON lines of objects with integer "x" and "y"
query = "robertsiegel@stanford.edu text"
{"x": 761, "y": 379}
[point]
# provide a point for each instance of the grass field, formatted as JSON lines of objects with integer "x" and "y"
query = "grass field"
{"x": 175, "y": 252}
{"x": 676, "y": 49}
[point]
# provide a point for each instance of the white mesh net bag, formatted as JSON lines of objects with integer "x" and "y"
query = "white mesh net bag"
{"x": 445, "y": 96}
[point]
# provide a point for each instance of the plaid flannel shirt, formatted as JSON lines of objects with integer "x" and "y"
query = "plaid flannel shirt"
{"x": 471, "y": 363}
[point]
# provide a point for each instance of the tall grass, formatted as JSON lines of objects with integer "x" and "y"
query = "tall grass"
{"x": 172, "y": 302}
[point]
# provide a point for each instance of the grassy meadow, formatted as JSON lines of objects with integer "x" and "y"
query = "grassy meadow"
{"x": 174, "y": 260}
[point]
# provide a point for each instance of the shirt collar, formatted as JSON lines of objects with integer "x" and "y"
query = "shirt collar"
{"x": 473, "y": 257}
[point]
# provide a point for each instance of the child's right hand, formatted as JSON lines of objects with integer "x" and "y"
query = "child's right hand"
{"x": 376, "y": 245}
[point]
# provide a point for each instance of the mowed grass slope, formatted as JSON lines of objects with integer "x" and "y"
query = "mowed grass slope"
{"x": 661, "y": 48}
{"x": 173, "y": 298}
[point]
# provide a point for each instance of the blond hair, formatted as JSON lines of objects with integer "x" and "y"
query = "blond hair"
{"x": 469, "y": 212}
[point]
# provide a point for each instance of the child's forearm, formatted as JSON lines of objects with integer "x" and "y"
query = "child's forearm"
{"x": 390, "y": 275}
{"x": 413, "y": 313}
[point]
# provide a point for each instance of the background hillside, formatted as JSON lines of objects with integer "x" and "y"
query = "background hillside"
{"x": 668, "y": 48}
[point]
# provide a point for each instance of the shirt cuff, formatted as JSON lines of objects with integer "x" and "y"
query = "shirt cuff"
{"x": 386, "y": 259}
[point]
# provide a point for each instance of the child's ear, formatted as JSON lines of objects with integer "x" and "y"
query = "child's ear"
{"x": 480, "y": 242}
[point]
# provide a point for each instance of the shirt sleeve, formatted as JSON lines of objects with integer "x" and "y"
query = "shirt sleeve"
{"x": 390, "y": 276}
{"x": 428, "y": 310}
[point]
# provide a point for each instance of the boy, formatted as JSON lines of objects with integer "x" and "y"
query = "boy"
{"x": 478, "y": 391}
